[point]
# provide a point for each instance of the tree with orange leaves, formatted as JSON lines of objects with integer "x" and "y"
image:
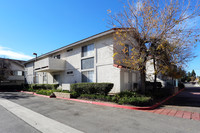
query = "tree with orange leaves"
{"x": 155, "y": 30}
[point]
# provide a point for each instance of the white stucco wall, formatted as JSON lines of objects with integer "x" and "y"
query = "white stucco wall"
{"x": 128, "y": 78}
{"x": 111, "y": 74}
{"x": 29, "y": 73}
{"x": 104, "y": 71}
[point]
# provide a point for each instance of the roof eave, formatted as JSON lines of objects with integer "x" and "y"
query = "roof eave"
{"x": 74, "y": 44}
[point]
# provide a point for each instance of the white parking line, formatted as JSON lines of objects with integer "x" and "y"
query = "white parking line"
{"x": 36, "y": 120}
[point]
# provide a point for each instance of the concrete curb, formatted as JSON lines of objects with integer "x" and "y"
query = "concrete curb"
{"x": 112, "y": 105}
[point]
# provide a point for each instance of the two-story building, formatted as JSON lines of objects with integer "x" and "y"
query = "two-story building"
{"x": 11, "y": 71}
{"x": 88, "y": 60}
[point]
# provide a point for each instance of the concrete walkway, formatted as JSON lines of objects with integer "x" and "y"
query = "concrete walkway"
{"x": 176, "y": 113}
{"x": 36, "y": 120}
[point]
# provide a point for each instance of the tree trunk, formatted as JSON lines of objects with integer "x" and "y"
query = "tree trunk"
{"x": 143, "y": 79}
{"x": 155, "y": 74}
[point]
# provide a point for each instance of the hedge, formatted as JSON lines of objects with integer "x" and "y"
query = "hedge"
{"x": 158, "y": 84}
{"x": 11, "y": 87}
{"x": 126, "y": 97}
{"x": 43, "y": 86}
{"x": 90, "y": 88}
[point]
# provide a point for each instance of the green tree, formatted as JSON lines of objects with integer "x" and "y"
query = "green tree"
{"x": 193, "y": 73}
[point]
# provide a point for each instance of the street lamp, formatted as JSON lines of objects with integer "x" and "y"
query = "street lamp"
{"x": 35, "y": 56}
{"x": 34, "y": 74}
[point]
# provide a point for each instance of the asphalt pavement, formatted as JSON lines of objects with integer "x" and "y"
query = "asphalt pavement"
{"x": 91, "y": 118}
{"x": 188, "y": 100}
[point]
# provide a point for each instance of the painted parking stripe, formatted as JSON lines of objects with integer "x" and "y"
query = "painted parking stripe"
{"x": 36, "y": 120}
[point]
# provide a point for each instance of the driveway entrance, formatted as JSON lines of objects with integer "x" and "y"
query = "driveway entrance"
{"x": 188, "y": 100}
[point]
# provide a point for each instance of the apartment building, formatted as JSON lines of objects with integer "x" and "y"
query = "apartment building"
{"x": 88, "y": 60}
{"x": 11, "y": 72}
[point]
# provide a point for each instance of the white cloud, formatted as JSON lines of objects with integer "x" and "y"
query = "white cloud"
{"x": 9, "y": 53}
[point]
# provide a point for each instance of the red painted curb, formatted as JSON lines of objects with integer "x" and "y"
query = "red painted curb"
{"x": 36, "y": 94}
{"x": 123, "y": 106}
{"x": 41, "y": 95}
{"x": 116, "y": 105}
{"x": 27, "y": 92}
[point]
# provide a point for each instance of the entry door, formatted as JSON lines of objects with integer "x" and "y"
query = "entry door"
{"x": 56, "y": 78}
{"x": 127, "y": 83}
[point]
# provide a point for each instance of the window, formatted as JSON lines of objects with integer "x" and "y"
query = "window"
{"x": 45, "y": 79}
{"x": 56, "y": 56}
{"x": 69, "y": 72}
{"x": 36, "y": 78}
{"x": 17, "y": 73}
{"x": 88, "y": 50}
{"x": 87, "y": 63}
{"x": 88, "y": 76}
{"x": 128, "y": 51}
{"x": 69, "y": 50}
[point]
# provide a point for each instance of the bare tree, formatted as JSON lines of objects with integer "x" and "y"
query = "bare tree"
{"x": 158, "y": 30}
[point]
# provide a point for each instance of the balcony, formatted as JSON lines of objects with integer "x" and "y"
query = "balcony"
{"x": 49, "y": 65}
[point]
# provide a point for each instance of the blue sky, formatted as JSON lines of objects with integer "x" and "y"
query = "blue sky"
{"x": 40, "y": 26}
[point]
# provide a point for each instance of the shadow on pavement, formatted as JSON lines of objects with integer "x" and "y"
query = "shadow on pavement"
{"x": 14, "y": 95}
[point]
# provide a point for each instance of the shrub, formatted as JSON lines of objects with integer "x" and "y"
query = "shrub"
{"x": 90, "y": 88}
{"x": 44, "y": 86}
{"x": 130, "y": 97}
{"x": 126, "y": 97}
{"x": 31, "y": 90}
{"x": 96, "y": 97}
{"x": 181, "y": 85}
{"x": 127, "y": 93}
{"x": 142, "y": 100}
{"x": 63, "y": 91}
{"x": 151, "y": 84}
{"x": 45, "y": 92}
{"x": 11, "y": 87}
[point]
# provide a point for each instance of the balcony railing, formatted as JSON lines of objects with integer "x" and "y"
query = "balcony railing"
{"x": 49, "y": 65}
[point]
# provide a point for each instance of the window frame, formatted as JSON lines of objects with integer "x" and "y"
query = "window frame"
{"x": 89, "y": 80}
{"x": 85, "y": 50}
{"x": 58, "y": 56}
{"x": 82, "y": 68}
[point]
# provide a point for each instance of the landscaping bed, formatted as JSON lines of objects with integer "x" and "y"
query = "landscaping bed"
{"x": 99, "y": 92}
